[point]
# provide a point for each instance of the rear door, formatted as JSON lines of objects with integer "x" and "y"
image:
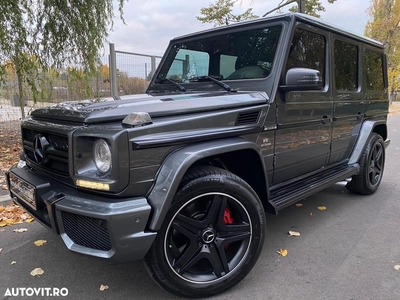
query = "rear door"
{"x": 347, "y": 97}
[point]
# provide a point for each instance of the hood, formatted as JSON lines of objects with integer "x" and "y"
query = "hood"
{"x": 108, "y": 110}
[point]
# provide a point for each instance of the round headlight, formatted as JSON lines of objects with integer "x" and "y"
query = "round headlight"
{"x": 102, "y": 155}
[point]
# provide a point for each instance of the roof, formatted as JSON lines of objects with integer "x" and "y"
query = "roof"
{"x": 291, "y": 17}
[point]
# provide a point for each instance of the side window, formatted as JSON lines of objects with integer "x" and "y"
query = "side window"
{"x": 307, "y": 51}
{"x": 373, "y": 70}
{"x": 346, "y": 66}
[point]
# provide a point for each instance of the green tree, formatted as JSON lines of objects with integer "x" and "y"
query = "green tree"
{"x": 312, "y": 7}
{"x": 36, "y": 35}
{"x": 309, "y": 7}
{"x": 384, "y": 26}
{"x": 220, "y": 13}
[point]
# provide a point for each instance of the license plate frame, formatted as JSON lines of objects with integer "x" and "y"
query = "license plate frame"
{"x": 23, "y": 190}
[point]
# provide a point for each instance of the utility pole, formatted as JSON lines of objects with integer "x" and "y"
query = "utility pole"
{"x": 113, "y": 73}
{"x": 302, "y": 6}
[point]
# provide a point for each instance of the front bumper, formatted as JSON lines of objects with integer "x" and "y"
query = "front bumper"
{"x": 89, "y": 224}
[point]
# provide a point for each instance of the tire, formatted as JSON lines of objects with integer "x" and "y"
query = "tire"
{"x": 211, "y": 237}
{"x": 372, "y": 163}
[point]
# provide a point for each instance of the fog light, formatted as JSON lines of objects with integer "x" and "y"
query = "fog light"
{"x": 93, "y": 185}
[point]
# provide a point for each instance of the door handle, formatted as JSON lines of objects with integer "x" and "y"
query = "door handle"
{"x": 325, "y": 119}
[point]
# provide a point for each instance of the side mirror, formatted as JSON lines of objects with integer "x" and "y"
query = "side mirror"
{"x": 302, "y": 79}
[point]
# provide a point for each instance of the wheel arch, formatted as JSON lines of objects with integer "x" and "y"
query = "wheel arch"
{"x": 222, "y": 152}
{"x": 368, "y": 127}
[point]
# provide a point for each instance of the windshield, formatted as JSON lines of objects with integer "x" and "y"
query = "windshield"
{"x": 240, "y": 55}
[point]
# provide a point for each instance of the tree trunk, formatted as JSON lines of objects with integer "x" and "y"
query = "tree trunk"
{"x": 392, "y": 97}
{"x": 301, "y": 6}
{"x": 21, "y": 93}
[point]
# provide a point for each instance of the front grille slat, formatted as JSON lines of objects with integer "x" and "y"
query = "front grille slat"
{"x": 56, "y": 153}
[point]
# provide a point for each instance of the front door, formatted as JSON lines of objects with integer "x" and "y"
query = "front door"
{"x": 304, "y": 118}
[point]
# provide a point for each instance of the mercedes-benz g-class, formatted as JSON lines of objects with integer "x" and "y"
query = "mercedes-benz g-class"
{"x": 238, "y": 120}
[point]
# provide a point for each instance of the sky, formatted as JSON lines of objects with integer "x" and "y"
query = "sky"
{"x": 150, "y": 24}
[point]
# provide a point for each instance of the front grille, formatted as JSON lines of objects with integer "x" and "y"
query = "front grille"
{"x": 86, "y": 231}
{"x": 59, "y": 142}
{"x": 55, "y": 154}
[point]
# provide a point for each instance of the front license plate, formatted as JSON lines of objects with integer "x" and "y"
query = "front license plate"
{"x": 23, "y": 190}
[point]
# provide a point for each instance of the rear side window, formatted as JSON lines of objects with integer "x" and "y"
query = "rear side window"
{"x": 374, "y": 70}
{"x": 307, "y": 51}
{"x": 346, "y": 57}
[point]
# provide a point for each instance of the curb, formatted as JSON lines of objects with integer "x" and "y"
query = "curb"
{"x": 5, "y": 200}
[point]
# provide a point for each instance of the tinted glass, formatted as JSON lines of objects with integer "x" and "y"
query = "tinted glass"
{"x": 374, "y": 70}
{"x": 307, "y": 51}
{"x": 345, "y": 66}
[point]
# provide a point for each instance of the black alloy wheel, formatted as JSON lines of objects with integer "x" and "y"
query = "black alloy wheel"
{"x": 211, "y": 237}
{"x": 372, "y": 164}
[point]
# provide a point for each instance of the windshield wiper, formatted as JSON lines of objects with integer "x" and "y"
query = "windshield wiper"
{"x": 179, "y": 86}
{"x": 225, "y": 86}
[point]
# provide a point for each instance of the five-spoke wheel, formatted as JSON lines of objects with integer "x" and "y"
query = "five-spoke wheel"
{"x": 211, "y": 237}
{"x": 372, "y": 163}
{"x": 208, "y": 237}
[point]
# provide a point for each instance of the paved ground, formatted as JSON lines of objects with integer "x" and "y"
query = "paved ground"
{"x": 347, "y": 252}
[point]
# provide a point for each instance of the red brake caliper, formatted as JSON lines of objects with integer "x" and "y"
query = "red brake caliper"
{"x": 227, "y": 220}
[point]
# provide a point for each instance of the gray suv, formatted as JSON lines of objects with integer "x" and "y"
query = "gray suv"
{"x": 238, "y": 121}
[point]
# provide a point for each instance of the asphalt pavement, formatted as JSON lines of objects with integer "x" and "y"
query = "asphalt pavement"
{"x": 347, "y": 252}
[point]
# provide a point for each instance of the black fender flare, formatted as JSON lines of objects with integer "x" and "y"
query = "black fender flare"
{"x": 366, "y": 129}
{"x": 175, "y": 166}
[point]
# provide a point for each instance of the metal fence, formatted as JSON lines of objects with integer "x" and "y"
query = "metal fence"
{"x": 129, "y": 74}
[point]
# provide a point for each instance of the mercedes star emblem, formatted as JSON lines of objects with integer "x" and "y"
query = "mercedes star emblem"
{"x": 40, "y": 145}
{"x": 208, "y": 236}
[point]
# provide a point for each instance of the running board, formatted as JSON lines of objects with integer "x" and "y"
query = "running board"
{"x": 291, "y": 193}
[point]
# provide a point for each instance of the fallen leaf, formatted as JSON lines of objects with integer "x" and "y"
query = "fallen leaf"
{"x": 37, "y": 272}
{"x": 321, "y": 207}
{"x": 29, "y": 220}
{"x": 299, "y": 204}
{"x": 104, "y": 287}
{"x": 294, "y": 233}
{"x": 397, "y": 267}
{"x": 20, "y": 230}
{"x": 1, "y": 249}
{"x": 13, "y": 262}
{"x": 10, "y": 222}
{"x": 2, "y": 208}
{"x": 4, "y": 187}
{"x": 13, "y": 214}
{"x": 282, "y": 252}
{"x": 40, "y": 242}
{"x": 310, "y": 213}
